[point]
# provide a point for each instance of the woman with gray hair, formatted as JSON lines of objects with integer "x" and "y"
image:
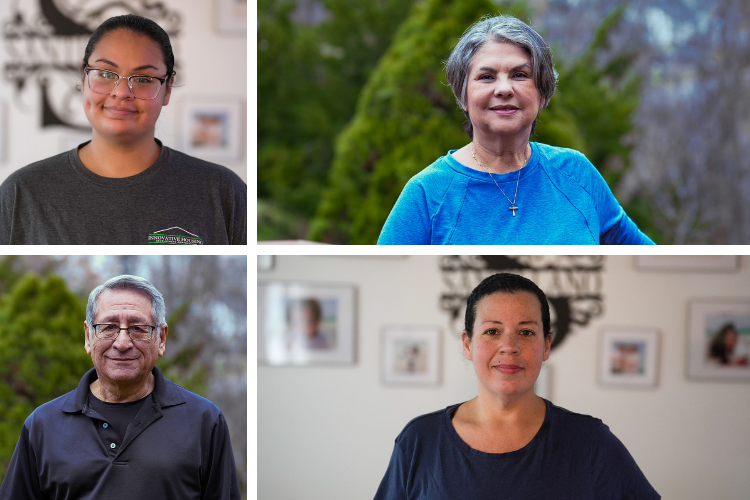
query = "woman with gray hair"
{"x": 501, "y": 188}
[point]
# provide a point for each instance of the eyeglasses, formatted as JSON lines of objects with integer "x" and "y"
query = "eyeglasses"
{"x": 103, "y": 81}
{"x": 109, "y": 331}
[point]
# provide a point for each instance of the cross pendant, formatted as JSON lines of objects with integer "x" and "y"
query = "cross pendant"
{"x": 514, "y": 208}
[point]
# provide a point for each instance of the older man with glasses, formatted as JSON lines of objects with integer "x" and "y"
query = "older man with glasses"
{"x": 126, "y": 432}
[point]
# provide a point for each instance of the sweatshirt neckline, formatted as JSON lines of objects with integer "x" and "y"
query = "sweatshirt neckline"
{"x": 482, "y": 176}
{"x": 139, "y": 178}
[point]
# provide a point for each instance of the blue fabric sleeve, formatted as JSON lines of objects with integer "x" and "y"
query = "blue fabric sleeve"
{"x": 616, "y": 475}
{"x": 616, "y": 228}
{"x": 393, "y": 485}
{"x": 409, "y": 221}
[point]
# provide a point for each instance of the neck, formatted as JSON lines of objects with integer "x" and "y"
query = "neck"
{"x": 119, "y": 393}
{"x": 501, "y": 156}
{"x": 508, "y": 409}
{"x": 119, "y": 159}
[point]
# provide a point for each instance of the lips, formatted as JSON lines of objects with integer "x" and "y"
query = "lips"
{"x": 508, "y": 369}
{"x": 505, "y": 109}
{"x": 120, "y": 111}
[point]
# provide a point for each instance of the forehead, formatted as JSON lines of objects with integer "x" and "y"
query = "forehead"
{"x": 501, "y": 302}
{"x": 112, "y": 302}
{"x": 128, "y": 50}
{"x": 500, "y": 53}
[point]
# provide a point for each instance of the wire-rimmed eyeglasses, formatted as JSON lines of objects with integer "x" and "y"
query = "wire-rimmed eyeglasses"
{"x": 104, "y": 81}
{"x": 109, "y": 331}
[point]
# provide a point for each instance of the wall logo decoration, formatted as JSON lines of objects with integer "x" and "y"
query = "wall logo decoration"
{"x": 573, "y": 285}
{"x": 44, "y": 45}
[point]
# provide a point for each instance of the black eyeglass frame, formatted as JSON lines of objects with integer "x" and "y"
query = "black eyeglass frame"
{"x": 127, "y": 328}
{"x": 130, "y": 84}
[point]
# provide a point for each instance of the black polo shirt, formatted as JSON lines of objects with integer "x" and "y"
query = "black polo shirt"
{"x": 176, "y": 447}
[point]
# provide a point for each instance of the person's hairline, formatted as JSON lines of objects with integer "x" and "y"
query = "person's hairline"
{"x": 508, "y": 292}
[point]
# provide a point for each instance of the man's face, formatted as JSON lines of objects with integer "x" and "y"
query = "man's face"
{"x": 123, "y": 361}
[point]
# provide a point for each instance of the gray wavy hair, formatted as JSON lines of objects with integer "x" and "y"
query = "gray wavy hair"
{"x": 128, "y": 282}
{"x": 500, "y": 29}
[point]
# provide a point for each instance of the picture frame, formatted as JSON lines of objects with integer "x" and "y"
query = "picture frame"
{"x": 410, "y": 355}
{"x": 212, "y": 128}
{"x": 629, "y": 357}
{"x": 688, "y": 263}
{"x": 302, "y": 323}
{"x": 231, "y": 17}
{"x": 719, "y": 340}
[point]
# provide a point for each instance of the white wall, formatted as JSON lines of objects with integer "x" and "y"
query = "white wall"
{"x": 213, "y": 65}
{"x": 327, "y": 432}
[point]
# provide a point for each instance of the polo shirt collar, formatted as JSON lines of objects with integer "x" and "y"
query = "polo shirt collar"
{"x": 165, "y": 393}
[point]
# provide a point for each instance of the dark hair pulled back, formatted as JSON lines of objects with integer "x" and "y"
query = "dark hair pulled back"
{"x": 134, "y": 24}
{"x": 505, "y": 283}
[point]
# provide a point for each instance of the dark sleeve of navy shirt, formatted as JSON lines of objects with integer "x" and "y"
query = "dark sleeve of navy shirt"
{"x": 571, "y": 457}
{"x": 177, "y": 447}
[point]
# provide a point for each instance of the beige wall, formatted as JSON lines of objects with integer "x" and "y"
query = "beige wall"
{"x": 327, "y": 432}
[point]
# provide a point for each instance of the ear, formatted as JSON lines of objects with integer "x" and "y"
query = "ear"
{"x": 163, "y": 340}
{"x": 466, "y": 341}
{"x": 87, "y": 340}
{"x": 547, "y": 347}
{"x": 168, "y": 92}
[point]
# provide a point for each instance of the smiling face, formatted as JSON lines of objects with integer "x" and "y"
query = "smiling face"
{"x": 507, "y": 345}
{"x": 501, "y": 97}
{"x": 122, "y": 361}
{"x": 119, "y": 116}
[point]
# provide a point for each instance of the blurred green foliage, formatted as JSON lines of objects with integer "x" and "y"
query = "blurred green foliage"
{"x": 309, "y": 78}
{"x": 407, "y": 117}
{"x": 42, "y": 352}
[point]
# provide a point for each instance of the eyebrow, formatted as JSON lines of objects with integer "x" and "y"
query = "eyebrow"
{"x": 493, "y": 70}
{"x": 114, "y": 318}
{"x": 530, "y": 322}
{"x": 145, "y": 66}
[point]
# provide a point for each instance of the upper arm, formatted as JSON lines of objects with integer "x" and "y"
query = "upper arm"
{"x": 409, "y": 222}
{"x": 393, "y": 485}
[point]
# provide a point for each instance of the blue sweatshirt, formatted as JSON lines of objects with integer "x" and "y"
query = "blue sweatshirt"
{"x": 562, "y": 200}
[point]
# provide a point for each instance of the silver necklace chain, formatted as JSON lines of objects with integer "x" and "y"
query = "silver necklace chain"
{"x": 513, "y": 206}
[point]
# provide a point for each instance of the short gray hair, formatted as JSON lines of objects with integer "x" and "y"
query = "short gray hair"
{"x": 128, "y": 282}
{"x": 500, "y": 29}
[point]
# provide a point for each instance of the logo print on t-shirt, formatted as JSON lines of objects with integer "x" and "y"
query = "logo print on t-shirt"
{"x": 174, "y": 236}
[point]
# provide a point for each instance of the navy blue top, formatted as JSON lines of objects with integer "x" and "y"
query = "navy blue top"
{"x": 572, "y": 456}
{"x": 562, "y": 200}
{"x": 176, "y": 447}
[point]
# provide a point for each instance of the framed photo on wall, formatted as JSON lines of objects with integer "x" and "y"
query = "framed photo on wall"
{"x": 305, "y": 323}
{"x": 719, "y": 340}
{"x": 410, "y": 355}
{"x": 628, "y": 357}
{"x": 212, "y": 128}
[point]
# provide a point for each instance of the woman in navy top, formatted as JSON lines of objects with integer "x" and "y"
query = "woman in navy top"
{"x": 500, "y": 188}
{"x": 508, "y": 442}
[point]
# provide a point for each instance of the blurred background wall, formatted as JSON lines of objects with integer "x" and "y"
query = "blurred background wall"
{"x": 328, "y": 431}
{"x": 43, "y": 42}
{"x": 42, "y": 310}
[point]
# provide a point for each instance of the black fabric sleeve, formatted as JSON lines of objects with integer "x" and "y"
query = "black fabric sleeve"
{"x": 21, "y": 480}
{"x": 219, "y": 477}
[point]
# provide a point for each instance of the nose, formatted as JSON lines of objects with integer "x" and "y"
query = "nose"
{"x": 509, "y": 344}
{"x": 122, "y": 90}
{"x": 123, "y": 342}
{"x": 503, "y": 86}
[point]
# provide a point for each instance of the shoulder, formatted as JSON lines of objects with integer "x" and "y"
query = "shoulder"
{"x": 195, "y": 404}
{"x": 423, "y": 426}
{"x": 50, "y": 410}
{"x": 577, "y": 426}
{"x": 38, "y": 171}
{"x": 437, "y": 173}
{"x": 204, "y": 169}
{"x": 564, "y": 160}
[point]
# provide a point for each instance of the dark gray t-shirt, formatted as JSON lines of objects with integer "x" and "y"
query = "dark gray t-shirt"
{"x": 177, "y": 200}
